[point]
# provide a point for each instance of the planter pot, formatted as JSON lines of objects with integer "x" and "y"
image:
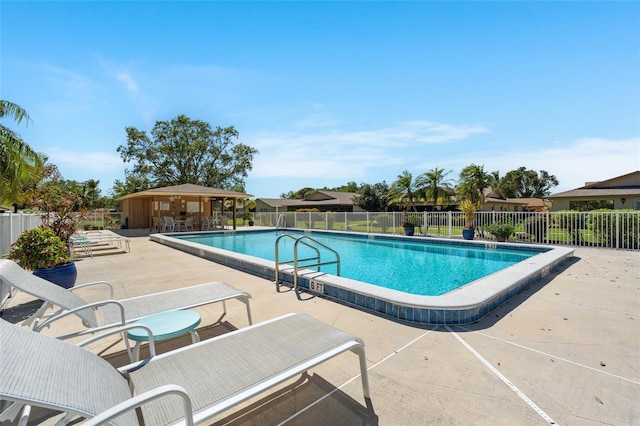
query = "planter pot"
{"x": 501, "y": 239}
{"x": 468, "y": 234}
{"x": 63, "y": 275}
{"x": 250, "y": 223}
{"x": 409, "y": 230}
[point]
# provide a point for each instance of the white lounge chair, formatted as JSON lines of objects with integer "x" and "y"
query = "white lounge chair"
{"x": 104, "y": 238}
{"x": 188, "y": 386}
{"x": 109, "y": 312}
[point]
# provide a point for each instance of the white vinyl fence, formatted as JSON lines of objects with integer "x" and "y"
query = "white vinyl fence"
{"x": 12, "y": 225}
{"x": 616, "y": 229}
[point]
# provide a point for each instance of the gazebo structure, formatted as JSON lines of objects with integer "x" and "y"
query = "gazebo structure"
{"x": 139, "y": 209}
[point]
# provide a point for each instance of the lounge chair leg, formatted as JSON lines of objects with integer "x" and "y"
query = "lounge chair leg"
{"x": 11, "y": 411}
{"x": 364, "y": 373}
{"x": 33, "y": 319}
{"x": 65, "y": 420}
{"x": 246, "y": 302}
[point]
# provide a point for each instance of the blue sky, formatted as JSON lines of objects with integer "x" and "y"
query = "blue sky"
{"x": 333, "y": 92}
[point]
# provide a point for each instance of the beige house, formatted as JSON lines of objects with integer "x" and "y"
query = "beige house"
{"x": 622, "y": 192}
{"x": 324, "y": 201}
{"x": 139, "y": 209}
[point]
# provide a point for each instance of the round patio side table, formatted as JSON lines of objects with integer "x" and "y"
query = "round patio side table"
{"x": 165, "y": 325}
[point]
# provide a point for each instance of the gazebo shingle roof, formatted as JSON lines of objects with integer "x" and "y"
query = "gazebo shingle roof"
{"x": 188, "y": 190}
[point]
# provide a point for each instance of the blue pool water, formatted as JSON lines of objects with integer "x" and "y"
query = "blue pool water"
{"x": 416, "y": 267}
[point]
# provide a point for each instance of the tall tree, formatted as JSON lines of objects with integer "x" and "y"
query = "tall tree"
{"x": 88, "y": 193}
{"x": 373, "y": 198}
{"x": 20, "y": 165}
{"x": 473, "y": 182}
{"x": 404, "y": 191}
{"x": 188, "y": 151}
{"x": 523, "y": 183}
{"x": 348, "y": 187}
{"x": 132, "y": 183}
{"x": 300, "y": 194}
{"x": 436, "y": 186}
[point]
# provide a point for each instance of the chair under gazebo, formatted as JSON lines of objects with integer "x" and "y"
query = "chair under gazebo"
{"x": 145, "y": 209}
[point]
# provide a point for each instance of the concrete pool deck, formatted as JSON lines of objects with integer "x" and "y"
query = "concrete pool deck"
{"x": 566, "y": 349}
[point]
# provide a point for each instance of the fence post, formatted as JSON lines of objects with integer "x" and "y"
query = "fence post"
{"x": 617, "y": 229}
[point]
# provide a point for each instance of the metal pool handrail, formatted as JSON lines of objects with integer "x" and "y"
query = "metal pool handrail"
{"x": 318, "y": 265}
{"x": 296, "y": 260}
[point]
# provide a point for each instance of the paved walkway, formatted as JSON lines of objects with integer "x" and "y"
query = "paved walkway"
{"x": 565, "y": 351}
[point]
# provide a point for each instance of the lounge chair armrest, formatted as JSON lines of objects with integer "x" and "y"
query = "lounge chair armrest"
{"x": 141, "y": 399}
{"x": 107, "y": 283}
{"x": 123, "y": 329}
{"x": 63, "y": 314}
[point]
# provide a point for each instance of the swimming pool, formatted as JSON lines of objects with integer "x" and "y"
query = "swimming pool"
{"x": 454, "y": 301}
{"x": 416, "y": 267}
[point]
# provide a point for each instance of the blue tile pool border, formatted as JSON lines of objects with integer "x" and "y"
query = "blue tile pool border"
{"x": 464, "y": 305}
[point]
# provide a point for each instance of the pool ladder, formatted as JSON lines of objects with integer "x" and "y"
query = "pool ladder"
{"x": 309, "y": 242}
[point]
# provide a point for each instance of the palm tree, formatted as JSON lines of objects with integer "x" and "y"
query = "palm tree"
{"x": 19, "y": 164}
{"x": 404, "y": 190}
{"x": 473, "y": 181}
{"x": 435, "y": 185}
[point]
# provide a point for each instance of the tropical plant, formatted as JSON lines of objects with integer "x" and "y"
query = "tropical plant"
{"x": 58, "y": 204}
{"x": 435, "y": 186}
{"x": 469, "y": 208}
{"x": 473, "y": 181}
{"x": 410, "y": 221}
{"x": 404, "y": 191}
{"x": 39, "y": 248}
{"x": 19, "y": 163}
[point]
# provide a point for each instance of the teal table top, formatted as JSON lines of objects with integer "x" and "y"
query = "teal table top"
{"x": 166, "y": 325}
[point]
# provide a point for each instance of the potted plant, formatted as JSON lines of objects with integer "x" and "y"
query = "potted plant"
{"x": 469, "y": 209}
{"x": 42, "y": 251}
{"x": 409, "y": 224}
{"x": 501, "y": 231}
{"x": 248, "y": 217}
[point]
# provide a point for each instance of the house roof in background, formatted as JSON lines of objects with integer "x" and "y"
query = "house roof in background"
{"x": 318, "y": 198}
{"x": 628, "y": 184}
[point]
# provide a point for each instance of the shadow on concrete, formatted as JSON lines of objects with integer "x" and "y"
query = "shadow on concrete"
{"x": 311, "y": 400}
{"x": 19, "y": 313}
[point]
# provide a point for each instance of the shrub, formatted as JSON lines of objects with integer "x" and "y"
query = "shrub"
{"x": 536, "y": 227}
{"x": 39, "y": 248}
{"x": 500, "y": 230}
{"x": 385, "y": 221}
{"x": 615, "y": 228}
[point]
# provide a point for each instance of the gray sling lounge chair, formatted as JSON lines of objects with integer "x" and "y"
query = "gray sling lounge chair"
{"x": 189, "y": 385}
{"x": 110, "y": 313}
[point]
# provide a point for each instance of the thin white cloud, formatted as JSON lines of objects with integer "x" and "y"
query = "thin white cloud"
{"x": 85, "y": 163}
{"x": 127, "y": 80}
{"x": 347, "y": 154}
{"x": 70, "y": 86}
